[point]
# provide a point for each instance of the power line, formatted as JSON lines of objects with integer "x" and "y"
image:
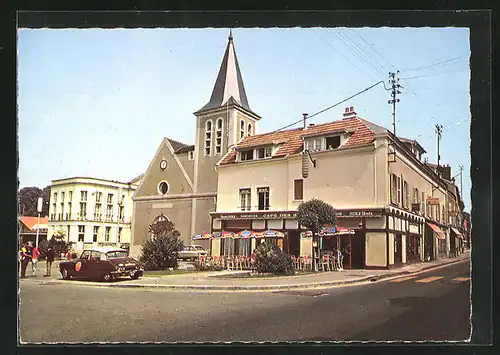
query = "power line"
{"x": 430, "y": 75}
{"x": 372, "y": 47}
{"x": 435, "y": 64}
{"x": 360, "y": 47}
{"x": 332, "y": 106}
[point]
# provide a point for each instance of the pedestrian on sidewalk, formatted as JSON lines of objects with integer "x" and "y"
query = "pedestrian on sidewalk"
{"x": 68, "y": 255}
{"x": 34, "y": 259}
{"x": 49, "y": 260}
{"x": 25, "y": 259}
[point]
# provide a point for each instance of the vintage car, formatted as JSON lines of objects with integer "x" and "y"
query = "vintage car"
{"x": 191, "y": 252}
{"x": 103, "y": 264}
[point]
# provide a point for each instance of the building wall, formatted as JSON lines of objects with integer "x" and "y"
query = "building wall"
{"x": 344, "y": 179}
{"x": 376, "y": 249}
{"x": 64, "y": 218}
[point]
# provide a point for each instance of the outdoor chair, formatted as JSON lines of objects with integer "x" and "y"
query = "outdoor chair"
{"x": 325, "y": 263}
{"x": 296, "y": 262}
{"x": 306, "y": 263}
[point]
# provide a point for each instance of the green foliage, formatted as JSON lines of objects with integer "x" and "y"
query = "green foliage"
{"x": 28, "y": 201}
{"x": 160, "y": 252}
{"x": 314, "y": 214}
{"x": 205, "y": 267}
{"x": 59, "y": 245}
{"x": 269, "y": 258}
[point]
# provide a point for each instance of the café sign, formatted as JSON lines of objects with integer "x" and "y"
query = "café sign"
{"x": 359, "y": 213}
{"x": 270, "y": 215}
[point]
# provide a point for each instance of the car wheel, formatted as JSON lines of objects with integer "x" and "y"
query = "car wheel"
{"x": 134, "y": 276}
{"x": 64, "y": 274}
{"x": 107, "y": 277}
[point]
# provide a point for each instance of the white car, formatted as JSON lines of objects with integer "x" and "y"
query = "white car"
{"x": 191, "y": 252}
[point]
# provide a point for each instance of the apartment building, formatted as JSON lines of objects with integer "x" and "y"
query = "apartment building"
{"x": 91, "y": 211}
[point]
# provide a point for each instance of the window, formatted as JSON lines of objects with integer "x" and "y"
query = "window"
{"x": 422, "y": 210}
{"x": 83, "y": 209}
{"x": 242, "y": 129}
{"x": 314, "y": 144}
{"x": 332, "y": 142}
{"x": 86, "y": 255}
{"x": 109, "y": 212}
{"x": 70, "y": 196}
{"x": 106, "y": 234}
{"x": 244, "y": 246}
{"x": 62, "y": 211}
{"x": 298, "y": 189}
{"x": 263, "y": 153}
{"x": 394, "y": 189}
{"x": 263, "y": 193}
{"x": 62, "y": 196}
{"x": 98, "y": 197}
{"x": 208, "y": 137}
{"x": 399, "y": 190}
{"x": 163, "y": 188}
{"x": 218, "y": 137}
{"x": 120, "y": 213}
{"x": 69, "y": 231}
{"x": 246, "y": 155}
{"x": 119, "y": 234}
{"x": 83, "y": 196}
{"x": 227, "y": 246}
{"x": 110, "y": 199}
{"x": 245, "y": 199}
{"x": 249, "y": 129}
{"x": 405, "y": 194}
{"x": 55, "y": 197}
{"x": 96, "y": 232}
{"x": 81, "y": 233}
{"x": 96, "y": 255}
{"x": 191, "y": 155}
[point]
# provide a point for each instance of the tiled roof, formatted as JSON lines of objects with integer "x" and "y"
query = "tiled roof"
{"x": 31, "y": 222}
{"x": 363, "y": 133}
{"x": 185, "y": 149}
{"x": 177, "y": 145}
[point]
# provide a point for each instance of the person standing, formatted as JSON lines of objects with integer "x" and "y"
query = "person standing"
{"x": 25, "y": 259}
{"x": 34, "y": 259}
{"x": 49, "y": 259}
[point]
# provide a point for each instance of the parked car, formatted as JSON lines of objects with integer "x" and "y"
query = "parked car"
{"x": 191, "y": 252}
{"x": 103, "y": 264}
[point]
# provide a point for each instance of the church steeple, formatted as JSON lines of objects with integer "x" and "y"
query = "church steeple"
{"x": 229, "y": 83}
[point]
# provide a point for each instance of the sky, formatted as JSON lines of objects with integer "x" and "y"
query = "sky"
{"x": 98, "y": 102}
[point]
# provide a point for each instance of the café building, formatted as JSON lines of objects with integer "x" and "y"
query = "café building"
{"x": 390, "y": 201}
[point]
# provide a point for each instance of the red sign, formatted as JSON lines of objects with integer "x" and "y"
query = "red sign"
{"x": 78, "y": 266}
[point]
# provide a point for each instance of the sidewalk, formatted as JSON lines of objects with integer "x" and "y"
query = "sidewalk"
{"x": 215, "y": 281}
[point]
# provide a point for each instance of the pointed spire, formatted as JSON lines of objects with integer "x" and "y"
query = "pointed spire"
{"x": 229, "y": 83}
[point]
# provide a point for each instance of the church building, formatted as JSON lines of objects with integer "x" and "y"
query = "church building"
{"x": 180, "y": 183}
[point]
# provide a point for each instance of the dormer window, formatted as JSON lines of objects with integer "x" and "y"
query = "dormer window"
{"x": 263, "y": 153}
{"x": 332, "y": 142}
{"x": 246, "y": 155}
{"x": 313, "y": 144}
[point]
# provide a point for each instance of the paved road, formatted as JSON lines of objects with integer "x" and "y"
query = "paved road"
{"x": 431, "y": 306}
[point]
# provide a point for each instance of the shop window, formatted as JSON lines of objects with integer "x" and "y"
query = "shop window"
{"x": 227, "y": 246}
{"x": 96, "y": 232}
{"x": 298, "y": 189}
{"x": 263, "y": 193}
{"x": 245, "y": 199}
{"x": 332, "y": 142}
{"x": 249, "y": 129}
{"x": 244, "y": 247}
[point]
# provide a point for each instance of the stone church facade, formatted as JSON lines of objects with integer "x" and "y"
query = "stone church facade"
{"x": 181, "y": 180}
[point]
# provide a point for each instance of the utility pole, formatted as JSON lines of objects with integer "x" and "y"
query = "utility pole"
{"x": 439, "y": 130}
{"x": 461, "y": 169}
{"x": 394, "y": 91}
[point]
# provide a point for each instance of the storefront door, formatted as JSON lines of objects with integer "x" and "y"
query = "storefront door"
{"x": 357, "y": 250}
{"x": 398, "y": 249}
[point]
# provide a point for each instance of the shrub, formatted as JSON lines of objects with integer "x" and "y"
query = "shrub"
{"x": 269, "y": 258}
{"x": 59, "y": 245}
{"x": 160, "y": 252}
{"x": 205, "y": 267}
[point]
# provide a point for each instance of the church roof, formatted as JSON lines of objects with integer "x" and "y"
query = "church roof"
{"x": 177, "y": 145}
{"x": 229, "y": 83}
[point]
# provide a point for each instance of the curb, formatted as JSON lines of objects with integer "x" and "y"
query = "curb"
{"x": 286, "y": 287}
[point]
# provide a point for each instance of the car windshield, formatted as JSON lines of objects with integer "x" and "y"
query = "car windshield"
{"x": 116, "y": 254}
{"x": 200, "y": 248}
{"x": 188, "y": 248}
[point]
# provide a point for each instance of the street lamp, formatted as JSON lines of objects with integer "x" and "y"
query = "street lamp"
{"x": 39, "y": 209}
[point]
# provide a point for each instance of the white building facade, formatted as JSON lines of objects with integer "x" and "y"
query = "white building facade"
{"x": 91, "y": 212}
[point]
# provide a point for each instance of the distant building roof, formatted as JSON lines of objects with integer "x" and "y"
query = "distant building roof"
{"x": 31, "y": 222}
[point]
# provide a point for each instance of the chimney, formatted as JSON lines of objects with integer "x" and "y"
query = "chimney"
{"x": 349, "y": 112}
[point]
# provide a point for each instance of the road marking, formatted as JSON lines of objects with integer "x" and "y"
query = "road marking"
{"x": 461, "y": 279}
{"x": 429, "y": 279}
{"x": 404, "y": 279}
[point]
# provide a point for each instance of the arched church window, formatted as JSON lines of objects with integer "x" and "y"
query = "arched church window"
{"x": 249, "y": 130}
{"x": 218, "y": 137}
{"x": 242, "y": 129}
{"x": 208, "y": 137}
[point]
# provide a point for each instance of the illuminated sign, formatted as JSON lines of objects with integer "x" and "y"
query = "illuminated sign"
{"x": 269, "y": 215}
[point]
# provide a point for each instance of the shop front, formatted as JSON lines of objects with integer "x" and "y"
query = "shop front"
{"x": 435, "y": 242}
{"x": 456, "y": 242}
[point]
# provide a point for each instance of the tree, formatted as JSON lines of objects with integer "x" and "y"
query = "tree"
{"x": 28, "y": 201}
{"x": 160, "y": 252}
{"x": 313, "y": 215}
{"x": 57, "y": 243}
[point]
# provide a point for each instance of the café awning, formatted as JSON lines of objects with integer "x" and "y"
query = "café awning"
{"x": 202, "y": 235}
{"x": 439, "y": 233}
{"x": 245, "y": 234}
{"x": 222, "y": 234}
{"x": 459, "y": 235}
{"x": 269, "y": 234}
{"x": 335, "y": 230}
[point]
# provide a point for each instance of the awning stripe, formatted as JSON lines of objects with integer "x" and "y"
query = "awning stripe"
{"x": 437, "y": 230}
{"x": 457, "y": 233}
